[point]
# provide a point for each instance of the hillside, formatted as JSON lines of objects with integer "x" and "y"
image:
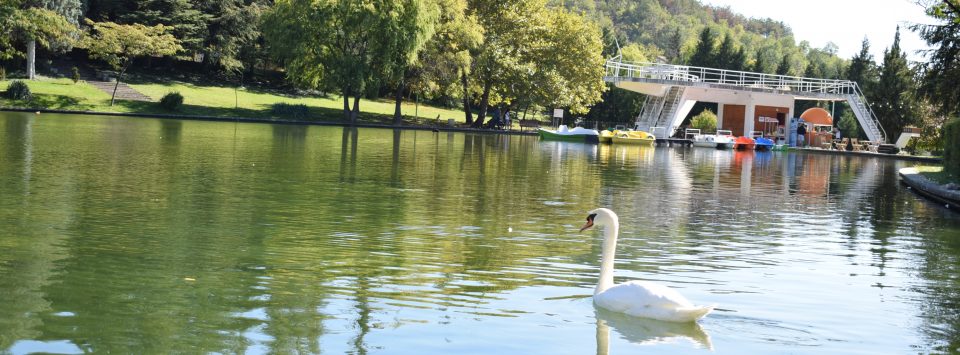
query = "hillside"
{"x": 647, "y": 29}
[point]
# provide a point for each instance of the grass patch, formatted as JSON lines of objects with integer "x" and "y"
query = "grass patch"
{"x": 936, "y": 174}
{"x": 211, "y": 100}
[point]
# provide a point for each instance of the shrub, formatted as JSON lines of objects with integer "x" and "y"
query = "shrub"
{"x": 951, "y": 147}
{"x": 75, "y": 74}
{"x": 706, "y": 121}
{"x": 18, "y": 90}
{"x": 295, "y": 111}
{"x": 171, "y": 101}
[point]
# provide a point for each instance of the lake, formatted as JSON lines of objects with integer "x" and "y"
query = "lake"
{"x": 134, "y": 235}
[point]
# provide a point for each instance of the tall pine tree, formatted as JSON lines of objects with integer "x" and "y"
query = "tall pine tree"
{"x": 703, "y": 55}
{"x": 893, "y": 98}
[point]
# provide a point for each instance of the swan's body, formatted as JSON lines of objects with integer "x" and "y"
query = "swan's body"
{"x": 636, "y": 298}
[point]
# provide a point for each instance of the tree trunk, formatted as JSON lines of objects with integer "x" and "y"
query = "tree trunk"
{"x": 32, "y": 59}
{"x": 356, "y": 109}
{"x": 346, "y": 104}
{"x": 126, "y": 65}
{"x": 397, "y": 117}
{"x": 484, "y": 105}
{"x": 466, "y": 98}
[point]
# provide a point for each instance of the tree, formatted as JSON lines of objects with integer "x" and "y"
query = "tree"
{"x": 703, "y": 55}
{"x": 503, "y": 64}
{"x": 784, "y": 67}
{"x": 726, "y": 56}
{"x": 848, "y": 125}
{"x": 447, "y": 59}
{"x": 233, "y": 27}
{"x": 942, "y": 72}
{"x": 343, "y": 44}
{"x": 569, "y": 65}
{"x": 119, "y": 45}
{"x": 182, "y": 17}
{"x": 71, "y": 12}
{"x": 414, "y": 23}
{"x": 31, "y": 25}
{"x": 893, "y": 99}
{"x": 759, "y": 65}
{"x": 706, "y": 121}
{"x": 862, "y": 69}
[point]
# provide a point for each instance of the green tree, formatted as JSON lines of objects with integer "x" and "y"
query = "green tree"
{"x": 30, "y": 24}
{"x": 182, "y": 17}
{"x": 759, "y": 64}
{"x": 893, "y": 97}
{"x": 119, "y": 45}
{"x": 848, "y": 125}
{"x": 863, "y": 69}
{"x": 726, "y": 54}
{"x": 446, "y": 60}
{"x": 502, "y": 64}
{"x": 70, "y": 11}
{"x": 785, "y": 67}
{"x": 568, "y": 65}
{"x": 233, "y": 28}
{"x": 705, "y": 121}
{"x": 703, "y": 55}
{"x": 414, "y": 22}
{"x": 942, "y": 71}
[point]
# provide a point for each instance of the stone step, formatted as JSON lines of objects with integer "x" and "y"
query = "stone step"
{"x": 124, "y": 91}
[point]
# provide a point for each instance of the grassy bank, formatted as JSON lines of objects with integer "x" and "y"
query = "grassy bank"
{"x": 210, "y": 100}
{"x": 937, "y": 175}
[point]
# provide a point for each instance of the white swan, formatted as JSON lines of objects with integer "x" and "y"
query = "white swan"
{"x": 635, "y": 298}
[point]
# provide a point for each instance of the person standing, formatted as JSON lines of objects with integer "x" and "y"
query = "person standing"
{"x": 802, "y": 134}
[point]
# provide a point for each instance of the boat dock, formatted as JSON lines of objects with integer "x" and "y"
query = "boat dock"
{"x": 675, "y": 141}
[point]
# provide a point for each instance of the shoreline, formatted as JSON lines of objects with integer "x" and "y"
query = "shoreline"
{"x": 930, "y": 189}
{"x": 441, "y": 128}
{"x": 438, "y": 128}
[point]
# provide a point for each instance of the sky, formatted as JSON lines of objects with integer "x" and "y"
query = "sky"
{"x": 843, "y": 22}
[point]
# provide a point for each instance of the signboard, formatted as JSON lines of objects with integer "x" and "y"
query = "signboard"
{"x": 558, "y": 113}
{"x": 768, "y": 120}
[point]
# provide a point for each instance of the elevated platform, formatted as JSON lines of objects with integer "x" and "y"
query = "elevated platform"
{"x": 673, "y": 90}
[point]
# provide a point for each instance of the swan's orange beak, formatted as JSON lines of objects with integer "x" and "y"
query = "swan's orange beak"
{"x": 587, "y": 226}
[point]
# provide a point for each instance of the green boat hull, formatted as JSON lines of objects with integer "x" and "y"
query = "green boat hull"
{"x": 582, "y": 138}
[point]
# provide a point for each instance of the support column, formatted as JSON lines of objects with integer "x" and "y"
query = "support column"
{"x": 719, "y": 115}
{"x": 748, "y": 118}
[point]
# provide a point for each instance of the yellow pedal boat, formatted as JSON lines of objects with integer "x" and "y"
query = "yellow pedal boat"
{"x": 607, "y": 136}
{"x": 634, "y": 137}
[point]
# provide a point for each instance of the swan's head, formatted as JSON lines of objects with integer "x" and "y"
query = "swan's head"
{"x": 600, "y": 217}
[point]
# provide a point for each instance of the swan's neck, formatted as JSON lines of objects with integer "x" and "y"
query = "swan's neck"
{"x": 610, "y": 232}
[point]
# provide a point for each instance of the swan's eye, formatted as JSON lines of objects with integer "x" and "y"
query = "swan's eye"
{"x": 591, "y": 217}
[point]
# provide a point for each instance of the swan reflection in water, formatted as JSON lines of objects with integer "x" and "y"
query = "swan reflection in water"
{"x": 644, "y": 331}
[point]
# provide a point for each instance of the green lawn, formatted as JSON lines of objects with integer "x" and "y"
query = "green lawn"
{"x": 221, "y": 101}
{"x": 936, "y": 174}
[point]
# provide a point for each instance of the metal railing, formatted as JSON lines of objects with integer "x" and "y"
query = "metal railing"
{"x": 615, "y": 68}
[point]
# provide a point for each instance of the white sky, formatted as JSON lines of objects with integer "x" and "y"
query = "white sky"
{"x": 844, "y": 22}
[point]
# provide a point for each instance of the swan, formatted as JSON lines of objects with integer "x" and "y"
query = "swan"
{"x": 636, "y": 298}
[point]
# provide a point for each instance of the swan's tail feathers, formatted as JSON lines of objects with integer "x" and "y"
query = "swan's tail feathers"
{"x": 692, "y": 314}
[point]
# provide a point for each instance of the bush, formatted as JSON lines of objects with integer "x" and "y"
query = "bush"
{"x": 75, "y": 74}
{"x": 295, "y": 111}
{"x": 3, "y": 74}
{"x": 706, "y": 121}
{"x": 951, "y": 147}
{"x": 18, "y": 90}
{"x": 171, "y": 101}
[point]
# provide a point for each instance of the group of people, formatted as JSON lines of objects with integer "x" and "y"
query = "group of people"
{"x": 499, "y": 121}
{"x": 802, "y": 135}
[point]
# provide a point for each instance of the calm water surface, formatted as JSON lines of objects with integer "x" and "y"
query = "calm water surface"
{"x": 124, "y": 235}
